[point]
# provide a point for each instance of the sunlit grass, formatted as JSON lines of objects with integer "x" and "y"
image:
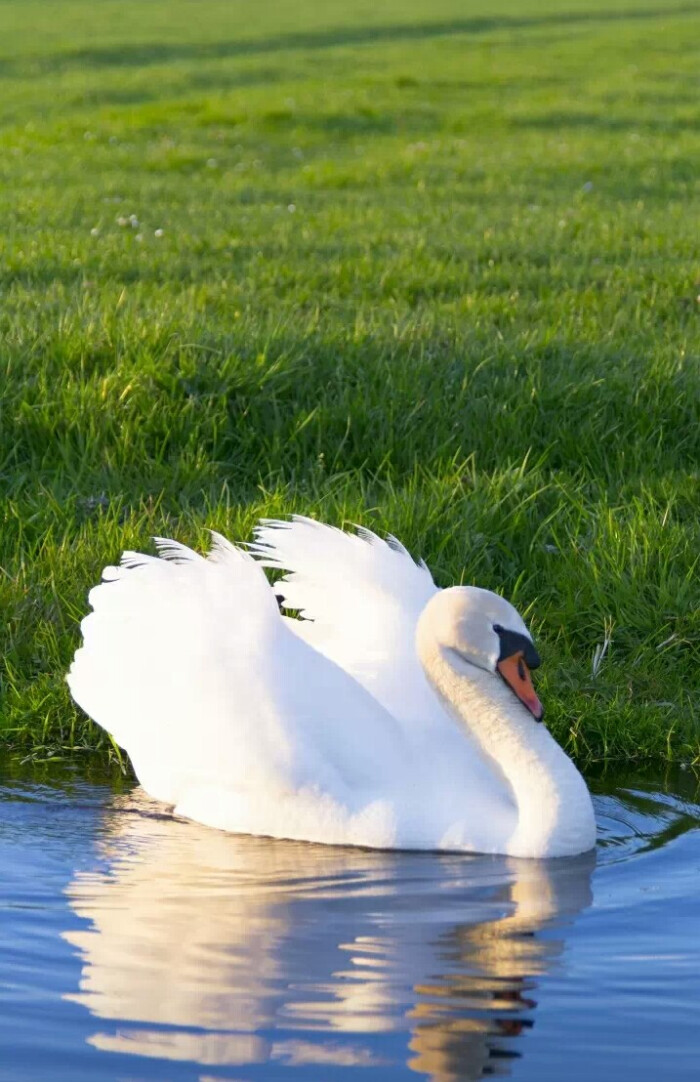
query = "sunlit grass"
{"x": 435, "y": 272}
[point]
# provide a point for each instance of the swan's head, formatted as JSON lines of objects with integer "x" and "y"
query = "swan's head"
{"x": 475, "y": 627}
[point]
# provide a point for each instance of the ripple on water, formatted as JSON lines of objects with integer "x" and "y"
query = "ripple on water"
{"x": 137, "y": 945}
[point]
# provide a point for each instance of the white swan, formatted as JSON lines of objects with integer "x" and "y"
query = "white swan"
{"x": 394, "y": 715}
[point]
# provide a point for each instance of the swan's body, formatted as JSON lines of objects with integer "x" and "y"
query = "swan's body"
{"x": 380, "y": 719}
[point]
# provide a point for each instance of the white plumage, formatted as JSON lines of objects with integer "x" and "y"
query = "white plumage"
{"x": 360, "y": 598}
{"x": 331, "y": 728}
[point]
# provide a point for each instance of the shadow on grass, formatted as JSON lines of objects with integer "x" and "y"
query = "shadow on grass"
{"x": 559, "y": 120}
{"x": 144, "y": 53}
{"x": 595, "y": 409}
{"x": 200, "y": 80}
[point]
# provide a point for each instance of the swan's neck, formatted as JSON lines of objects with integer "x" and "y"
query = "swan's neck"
{"x": 554, "y": 811}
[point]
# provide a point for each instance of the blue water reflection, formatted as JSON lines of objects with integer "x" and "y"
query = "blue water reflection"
{"x": 150, "y": 947}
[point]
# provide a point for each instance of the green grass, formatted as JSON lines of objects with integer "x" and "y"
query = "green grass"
{"x": 432, "y": 268}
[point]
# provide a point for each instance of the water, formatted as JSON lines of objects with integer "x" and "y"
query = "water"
{"x": 134, "y": 946}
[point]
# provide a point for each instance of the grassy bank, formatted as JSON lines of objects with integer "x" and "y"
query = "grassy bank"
{"x": 432, "y": 268}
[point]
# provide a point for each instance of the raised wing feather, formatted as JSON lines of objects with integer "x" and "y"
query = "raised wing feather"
{"x": 223, "y": 710}
{"x": 361, "y": 598}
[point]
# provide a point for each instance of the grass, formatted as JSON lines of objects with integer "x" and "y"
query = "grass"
{"x": 432, "y": 268}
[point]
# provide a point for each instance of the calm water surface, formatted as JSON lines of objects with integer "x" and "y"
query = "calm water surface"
{"x": 134, "y": 946}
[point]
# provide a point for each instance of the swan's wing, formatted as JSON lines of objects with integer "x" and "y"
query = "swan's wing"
{"x": 224, "y": 711}
{"x": 364, "y": 596}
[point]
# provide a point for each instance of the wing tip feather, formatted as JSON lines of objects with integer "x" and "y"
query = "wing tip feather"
{"x": 175, "y": 551}
{"x": 222, "y": 549}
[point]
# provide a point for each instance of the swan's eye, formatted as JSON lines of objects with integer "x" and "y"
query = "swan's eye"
{"x": 521, "y": 668}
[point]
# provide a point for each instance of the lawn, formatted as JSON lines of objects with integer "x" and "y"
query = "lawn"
{"x": 429, "y": 268}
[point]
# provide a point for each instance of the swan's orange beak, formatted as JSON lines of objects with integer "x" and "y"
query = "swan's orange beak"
{"x": 516, "y": 674}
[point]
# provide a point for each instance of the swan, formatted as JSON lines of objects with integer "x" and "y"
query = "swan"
{"x": 390, "y": 714}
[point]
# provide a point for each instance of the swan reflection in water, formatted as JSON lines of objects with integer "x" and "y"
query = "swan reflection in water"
{"x": 201, "y": 944}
